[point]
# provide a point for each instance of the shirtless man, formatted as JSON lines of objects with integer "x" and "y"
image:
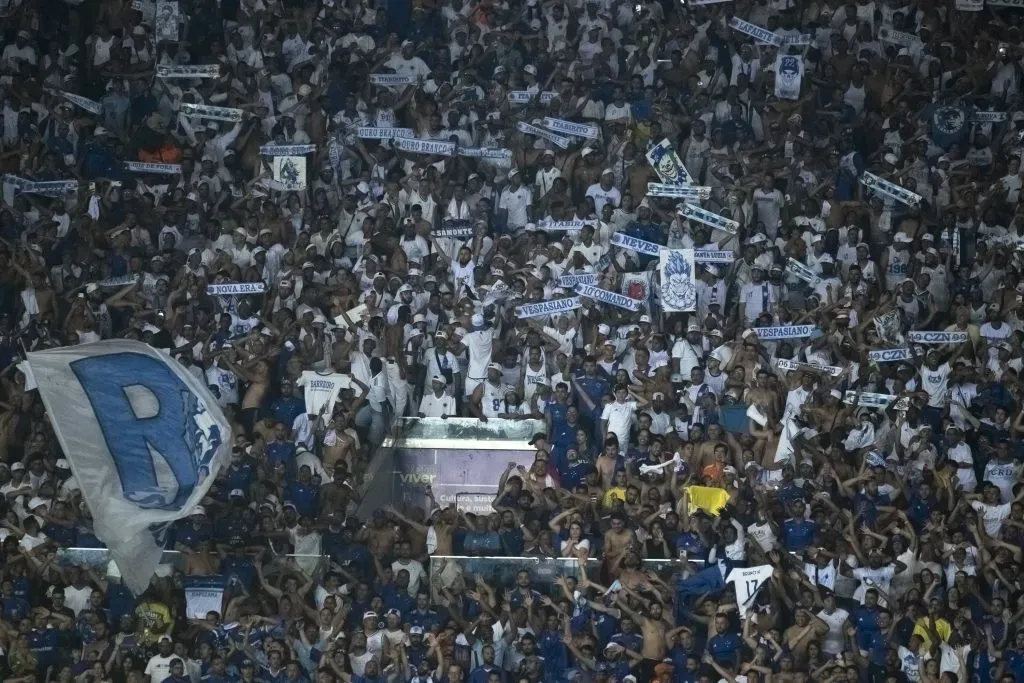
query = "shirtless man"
{"x": 416, "y": 532}
{"x": 653, "y": 626}
{"x": 335, "y": 494}
{"x": 760, "y": 395}
{"x": 201, "y": 562}
{"x": 379, "y": 536}
{"x": 259, "y": 384}
{"x": 340, "y": 441}
{"x": 617, "y": 541}
{"x": 716, "y": 438}
{"x": 442, "y": 527}
{"x": 606, "y": 463}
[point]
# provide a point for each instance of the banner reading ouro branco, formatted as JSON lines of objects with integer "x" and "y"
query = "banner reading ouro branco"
{"x": 144, "y": 438}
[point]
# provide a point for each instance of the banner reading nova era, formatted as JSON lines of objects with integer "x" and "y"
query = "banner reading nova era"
{"x": 144, "y": 438}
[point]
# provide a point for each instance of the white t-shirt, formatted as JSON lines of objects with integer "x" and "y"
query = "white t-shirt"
{"x": 993, "y": 516}
{"x": 322, "y": 390}
{"x": 961, "y": 453}
{"x": 688, "y": 355}
{"x": 415, "y": 569}
{"x": 834, "y": 643}
{"x": 620, "y": 419}
{"x": 158, "y": 668}
{"x": 869, "y": 578}
{"x": 602, "y": 196}
{"x": 77, "y": 599}
{"x": 414, "y": 67}
{"x": 993, "y": 336}
{"x": 516, "y": 202}
{"x": 432, "y": 406}
{"x": 226, "y": 383}
{"x": 936, "y": 384}
{"x": 479, "y": 344}
{"x": 1002, "y": 475}
{"x": 763, "y": 535}
{"x": 910, "y": 664}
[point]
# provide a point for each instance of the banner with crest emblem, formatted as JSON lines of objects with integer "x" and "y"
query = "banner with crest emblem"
{"x": 638, "y": 286}
{"x": 678, "y": 285}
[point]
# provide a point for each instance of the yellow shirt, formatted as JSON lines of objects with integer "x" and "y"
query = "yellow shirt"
{"x": 154, "y": 619}
{"x": 611, "y": 494}
{"x": 942, "y": 627}
{"x": 708, "y": 498}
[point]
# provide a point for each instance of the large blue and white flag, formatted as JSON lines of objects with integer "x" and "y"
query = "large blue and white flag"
{"x": 145, "y": 440}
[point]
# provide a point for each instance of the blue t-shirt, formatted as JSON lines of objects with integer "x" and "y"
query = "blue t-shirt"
{"x": 865, "y": 620}
{"x": 286, "y": 409}
{"x": 725, "y": 646}
{"x": 15, "y": 609}
{"x": 304, "y": 497}
{"x": 799, "y": 533}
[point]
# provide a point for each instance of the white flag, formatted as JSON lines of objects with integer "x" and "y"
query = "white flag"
{"x": 789, "y": 76}
{"x": 290, "y": 172}
{"x": 748, "y": 581}
{"x": 144, "y": 437}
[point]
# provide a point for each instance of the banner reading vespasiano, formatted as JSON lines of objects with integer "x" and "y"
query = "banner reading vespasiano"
{"x": 547, "y": 307}
{"x": 122, "y": 412}
{"x": 784, "y": 332}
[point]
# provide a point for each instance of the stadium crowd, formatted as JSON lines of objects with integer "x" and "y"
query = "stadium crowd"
{"x": 335, "y": 220}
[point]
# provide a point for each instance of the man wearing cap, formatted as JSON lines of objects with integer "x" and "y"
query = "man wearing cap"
{"x": 479, "y": 343}
{"x": 604, "y": 191}
{"x": 895, "y": 260}
{"x": 757, "y": 297}
{"x": 436, "y": 402}
{"x": 545, "y": 177}
{"x": 711, "y": 291}
{"x": 488, "y": 398}
{"x": 688, "y": 351}
{"x": 514, "y": 203}
{"x": 158, "y": 668}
